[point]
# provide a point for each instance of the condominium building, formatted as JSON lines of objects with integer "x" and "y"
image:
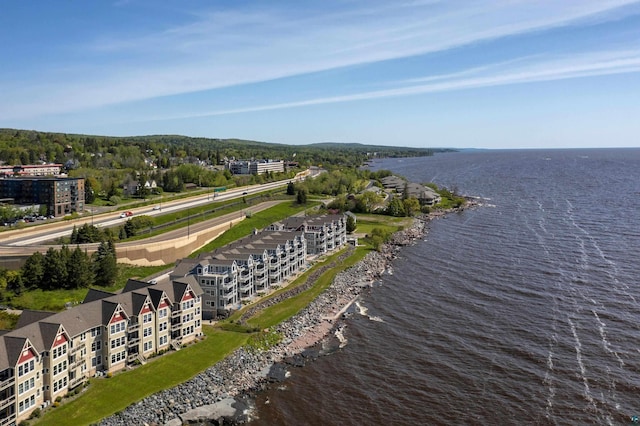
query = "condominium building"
{"x": 239, "y": 271}
{"x": 60, "y": 195}
{"x": 48, "y": 354}
{"x": 239, "y": 167}
{"x": 323, "y": 233}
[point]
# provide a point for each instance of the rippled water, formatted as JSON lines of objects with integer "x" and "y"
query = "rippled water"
{"x": 523, "y": 311}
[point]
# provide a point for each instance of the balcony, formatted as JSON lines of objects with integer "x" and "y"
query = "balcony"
{"x": 134, "y": 326}
{"x": 75, "y": 349}
{"x": 246, "y": 288}
{"x": 76, "y": 362}
{"x": 77, "y": 381}
{"x": 7, "y": 402}
{"x": 7, "y": 382}
{"x": 228, "y": 286}
{"x": 133, "y": 341}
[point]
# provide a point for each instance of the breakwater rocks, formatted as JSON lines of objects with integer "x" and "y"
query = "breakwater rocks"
{"x": 216, "y": 396}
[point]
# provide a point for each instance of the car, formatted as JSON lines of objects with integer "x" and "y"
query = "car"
{"x": 157, "y": 208}
{"x": 245, "y": 193}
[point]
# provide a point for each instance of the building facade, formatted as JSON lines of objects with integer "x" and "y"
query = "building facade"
{"x": 31, "y": 170}
{"x": 255, "y": 167}
{"x": 49, "y": 354}
{"x": 323, "y": 233}
{"x": 60, "y": 195}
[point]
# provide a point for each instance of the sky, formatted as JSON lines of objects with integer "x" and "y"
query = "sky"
{"x": 422, "y": 73}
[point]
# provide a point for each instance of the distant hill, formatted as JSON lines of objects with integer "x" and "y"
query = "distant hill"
{"x": 135, "y": 152}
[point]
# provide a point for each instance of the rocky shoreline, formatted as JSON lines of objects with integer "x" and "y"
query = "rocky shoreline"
{"x": 216, "y": 396}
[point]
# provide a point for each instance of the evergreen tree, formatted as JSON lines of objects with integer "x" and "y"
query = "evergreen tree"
{"x": 351, "y": 224}
{"x": 291, "y": 189}
{"x": 106, "y": 268}
{"x": 33, "y": 270}
{"x": 55, "y": 270}
{"x": 74, "y": 235}
{"x": 79, "y": 270}
{"x": 301, "y": 198}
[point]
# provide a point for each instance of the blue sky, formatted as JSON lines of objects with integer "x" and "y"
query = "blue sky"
{"x": 482, "y": 73}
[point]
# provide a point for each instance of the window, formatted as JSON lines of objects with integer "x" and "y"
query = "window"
{"x": 58, "y": 351}
{"x": 162, "y": 313}
{"x": 96, "y": 361}
{"x": 26, "y": 368}
{"x": 96, "y": 346}
{"x": 147, "y": 318}
{"x": 26, "y": 385}
{"x": 118, "y": 327}
{"x": 117, "y": 342}
{"x": 147, "y": 332}
{"x": 163, "y": 340}
{"x": 187, "y": 305}
{"x": 27, "y": 403}
{"x": 60, "y": 384}
{"x": 120, "y": 356}
{"x": 59, "y": 368}
{"x": 163, "y": 326}
{"x": 148, "y": 346}
{"x": 83, "y": 337}
{"x": 96, "y": 332}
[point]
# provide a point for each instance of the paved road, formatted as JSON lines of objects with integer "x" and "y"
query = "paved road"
{"x": 37, "y": 234}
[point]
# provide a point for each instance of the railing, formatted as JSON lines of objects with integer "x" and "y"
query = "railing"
{"x": 75, "y": 349}
{"x": 133, "y": 327}
{"x": 6, "y": 402}
{"x": 75, "y": 382}
{"x": 76, "y": 363}
{"x": 8, "y": 382}
{"x": 11, "y": 420}
{"x": 132, "y": 341}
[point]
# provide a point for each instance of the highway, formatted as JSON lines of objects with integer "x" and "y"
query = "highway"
{"x": 47, "y": 232}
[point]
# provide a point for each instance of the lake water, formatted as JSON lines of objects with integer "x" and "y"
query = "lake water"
{"x": 522, "y": 311}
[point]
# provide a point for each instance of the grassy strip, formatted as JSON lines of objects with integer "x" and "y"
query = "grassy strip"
{"x": 255, "y": 221}
{"x": 106, "y": 396}
{"x": 275, "y": 314}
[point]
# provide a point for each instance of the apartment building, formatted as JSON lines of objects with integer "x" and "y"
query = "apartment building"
{"x": 51, "y": 169}
{"x": 49, "y": 354}
{"x": 60, "y": 195}
{"x": 238, "y": 271}
{"x": 239, "y": 167}
{"x": 323, "y": 233}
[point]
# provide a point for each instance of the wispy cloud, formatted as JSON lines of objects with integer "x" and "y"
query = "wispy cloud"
{"x": 501, "y": 74}
{"x": 223, "y": 48}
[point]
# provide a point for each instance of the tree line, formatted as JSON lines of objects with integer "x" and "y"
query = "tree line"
{"x": 67, "y": 269}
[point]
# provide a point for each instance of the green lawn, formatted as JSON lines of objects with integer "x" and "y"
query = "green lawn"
{"x": 106, "y": 396}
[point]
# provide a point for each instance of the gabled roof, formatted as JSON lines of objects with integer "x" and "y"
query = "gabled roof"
{"x": 28, "y": 317}
{"x": 156, "y": 295}
{"x": 184, "y": 267}
{"x": 133, "y": 285}
{"x": 132, "y": 302}
{"x": 95, "y": 294}
{"x": 80, "y": 318}
{"x": 108, "y": 309}
{"x": 14, "y": 346}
